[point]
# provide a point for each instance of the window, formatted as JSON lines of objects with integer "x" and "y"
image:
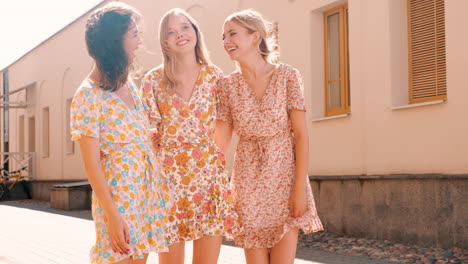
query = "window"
{"x": 21, "y": 134}
{"x": 69, "y": 144}
{"x": 427, "y": 63}
{"x": 45, "y": 131}
{"x": 337, "y": 89}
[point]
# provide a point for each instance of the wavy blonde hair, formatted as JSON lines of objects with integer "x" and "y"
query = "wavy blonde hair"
{"x": 253, "y": 21}
{"x": 169, "y": 60}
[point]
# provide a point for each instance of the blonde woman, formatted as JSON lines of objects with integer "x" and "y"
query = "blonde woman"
{"x": 263, "y": 103}
{"x": 181, "y": 97}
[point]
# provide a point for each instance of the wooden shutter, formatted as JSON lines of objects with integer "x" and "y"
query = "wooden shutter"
{"x": 427, "y": 61}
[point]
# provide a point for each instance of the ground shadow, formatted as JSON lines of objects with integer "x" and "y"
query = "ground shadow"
{"x": 44, "y": 207}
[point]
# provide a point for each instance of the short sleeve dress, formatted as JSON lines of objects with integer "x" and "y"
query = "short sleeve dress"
{"x": 264, "y": 165}
{"x": 129, "y": 166}
{"x": 194, "y": 165}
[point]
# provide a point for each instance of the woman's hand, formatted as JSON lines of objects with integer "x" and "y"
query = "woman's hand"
{"x": 298, "y": 202}
{"x": 118, "y": 233}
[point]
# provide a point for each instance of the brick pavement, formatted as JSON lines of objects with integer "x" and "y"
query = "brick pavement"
{"x": 35, "y": 234}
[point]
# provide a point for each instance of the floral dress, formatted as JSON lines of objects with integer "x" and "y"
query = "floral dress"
{"x": 129, "y": 167}
{"x": 264, "y": 166}
{"x": 194, "y": 165}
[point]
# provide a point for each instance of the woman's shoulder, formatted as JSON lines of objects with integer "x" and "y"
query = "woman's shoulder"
{"x": 232, "y": 81}
{"x": 154, "y": 74}
{"x": 213, "y": 70}
{"x": 286, "y": 68}
{"x": 88, "y": 88}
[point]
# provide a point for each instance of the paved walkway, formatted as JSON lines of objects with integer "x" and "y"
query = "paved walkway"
{"x": 31, "y": 234}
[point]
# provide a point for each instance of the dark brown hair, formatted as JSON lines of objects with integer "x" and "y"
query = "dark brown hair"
{"x": 105, "y": 31}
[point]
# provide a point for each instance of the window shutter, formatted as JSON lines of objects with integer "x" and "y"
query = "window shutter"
{"x": 427, "y": 60}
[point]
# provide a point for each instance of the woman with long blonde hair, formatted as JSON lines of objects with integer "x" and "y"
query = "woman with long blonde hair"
{"x": 181, "y": 97}
{"x": 263, "y": 103}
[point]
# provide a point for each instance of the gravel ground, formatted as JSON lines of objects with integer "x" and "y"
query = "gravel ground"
{"x": 383, "y": 249}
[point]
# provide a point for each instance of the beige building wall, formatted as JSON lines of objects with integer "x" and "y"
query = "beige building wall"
{"x": 376, "y": 138}
{"x": 55, "y": 69}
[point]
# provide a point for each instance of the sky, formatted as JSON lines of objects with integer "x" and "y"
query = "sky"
{"x": 26, "y": 23}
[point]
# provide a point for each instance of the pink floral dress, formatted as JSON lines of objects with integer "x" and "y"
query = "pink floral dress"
{"x": 264, "y": 167}
{"x": 194, "y": 165}
{"x": 129, "y": 166}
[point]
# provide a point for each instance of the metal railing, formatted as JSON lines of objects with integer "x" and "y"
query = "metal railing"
{"x": 17, "y": 160}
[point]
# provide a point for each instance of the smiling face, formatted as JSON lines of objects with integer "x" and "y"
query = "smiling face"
{"x": 131, "y": 41}
{"x": 238, "y": 41}
{"x": 180, "y": 36}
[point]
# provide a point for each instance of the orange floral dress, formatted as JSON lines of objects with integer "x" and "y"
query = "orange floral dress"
{"x": 264, "y": 166}
{"x": 194, "y": 165}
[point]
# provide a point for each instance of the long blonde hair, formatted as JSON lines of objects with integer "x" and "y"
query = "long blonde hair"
{"x": 201, "y": 53}
{"x": 253, "y": 21}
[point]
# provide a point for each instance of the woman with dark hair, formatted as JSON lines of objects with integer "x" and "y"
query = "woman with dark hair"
{"x": 109, "y": 121}
{"x": 181, "y": 97}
